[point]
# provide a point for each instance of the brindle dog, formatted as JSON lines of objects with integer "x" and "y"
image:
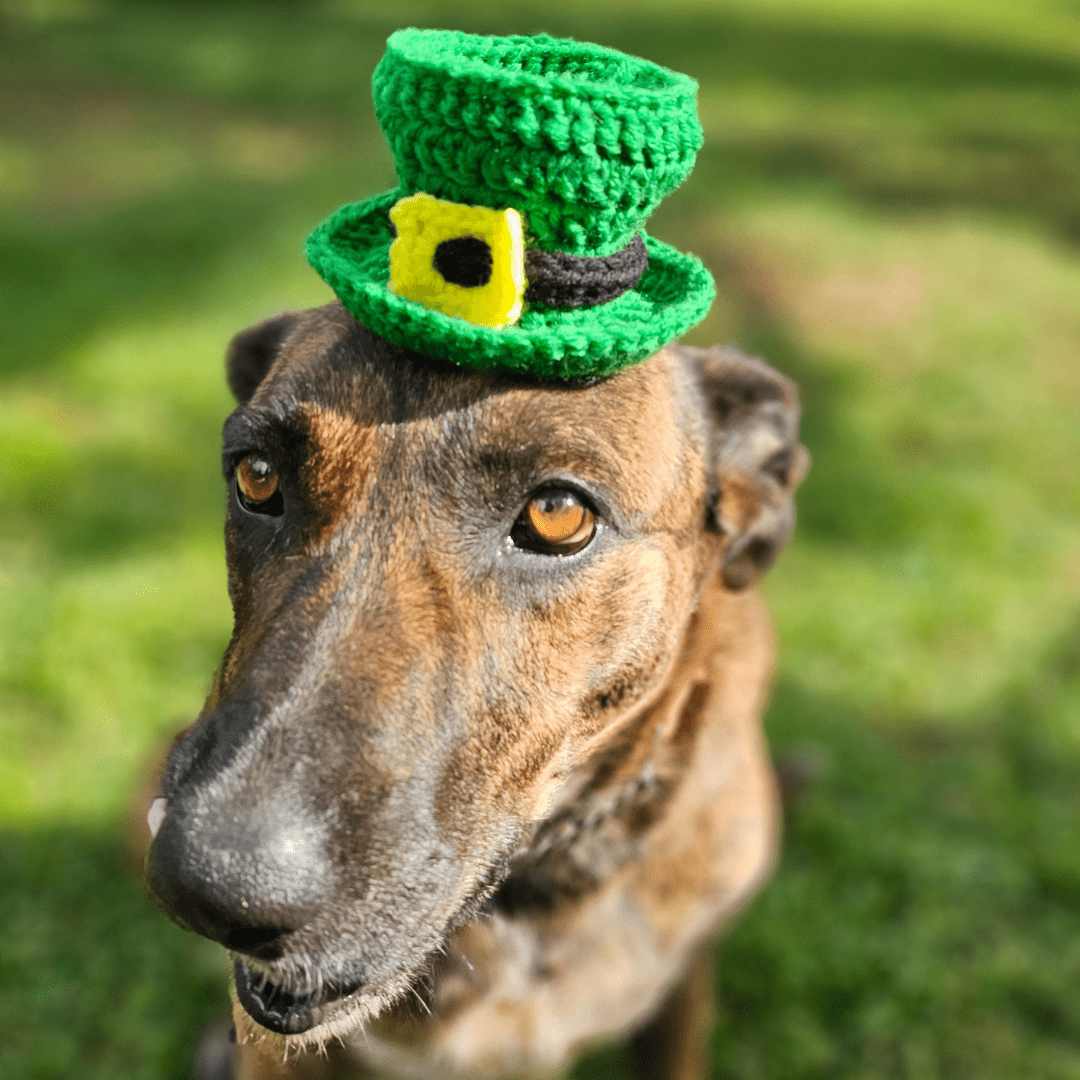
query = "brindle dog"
{"x": 470, "y": 796}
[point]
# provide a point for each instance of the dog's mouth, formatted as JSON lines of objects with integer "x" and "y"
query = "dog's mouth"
{"x": 337, "y": 1006}
{"x": 282, "y": 1010}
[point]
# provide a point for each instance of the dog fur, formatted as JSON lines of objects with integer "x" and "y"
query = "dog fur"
{"x": 483, "y": 806}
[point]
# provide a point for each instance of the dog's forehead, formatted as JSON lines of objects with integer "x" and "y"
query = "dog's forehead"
{"x": 349, "y": 390}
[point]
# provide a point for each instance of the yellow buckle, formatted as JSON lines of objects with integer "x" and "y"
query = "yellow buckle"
{"x": 438, "y": 259}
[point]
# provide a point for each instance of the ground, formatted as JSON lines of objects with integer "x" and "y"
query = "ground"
{"x": 889, "y": 197}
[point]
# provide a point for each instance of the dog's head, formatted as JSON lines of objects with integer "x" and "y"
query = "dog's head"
{"x": 447, "y": 585}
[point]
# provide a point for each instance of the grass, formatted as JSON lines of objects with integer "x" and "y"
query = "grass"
{"x": 889, "y": 197}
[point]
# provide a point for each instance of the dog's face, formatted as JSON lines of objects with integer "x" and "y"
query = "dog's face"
{"x": 448, "y": 586}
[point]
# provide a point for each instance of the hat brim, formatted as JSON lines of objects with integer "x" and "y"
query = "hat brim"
{"x": 350, "y": 251}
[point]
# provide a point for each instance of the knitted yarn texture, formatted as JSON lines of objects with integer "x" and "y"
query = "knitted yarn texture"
{"x": 674, "y": 293}
{"x": 583, "y": 142}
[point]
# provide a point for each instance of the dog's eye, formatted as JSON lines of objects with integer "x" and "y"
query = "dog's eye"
{"x": 257, "y": 486}
{"x": 555, "y": 522}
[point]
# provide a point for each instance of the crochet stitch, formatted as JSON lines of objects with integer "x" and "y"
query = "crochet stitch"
{"x": 583, "y": 142}
{"x": 570, "y": 281}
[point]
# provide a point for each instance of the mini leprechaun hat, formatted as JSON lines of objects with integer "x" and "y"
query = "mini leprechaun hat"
{"x": 528, "y": 167}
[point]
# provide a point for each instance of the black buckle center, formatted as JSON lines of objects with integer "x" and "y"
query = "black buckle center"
{"x": 464, "y": 261}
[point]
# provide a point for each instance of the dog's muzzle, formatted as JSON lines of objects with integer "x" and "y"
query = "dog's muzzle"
{"x": 279, "y": 1009}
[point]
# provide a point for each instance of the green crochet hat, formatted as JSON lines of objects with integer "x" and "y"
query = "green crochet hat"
{"x": 527, "y": 167}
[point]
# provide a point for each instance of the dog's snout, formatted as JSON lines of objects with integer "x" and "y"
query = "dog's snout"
{"x": 238, "y": 855}
{"x": 209, "y": 746}
{"x": 221, "y": 893}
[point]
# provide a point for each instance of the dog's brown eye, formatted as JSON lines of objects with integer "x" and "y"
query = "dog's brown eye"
{"x": 555, "y": 523}
{"x": 256, "y": 480}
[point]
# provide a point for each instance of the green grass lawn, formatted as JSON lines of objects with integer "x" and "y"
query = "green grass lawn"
{"x": 889, "y": 197}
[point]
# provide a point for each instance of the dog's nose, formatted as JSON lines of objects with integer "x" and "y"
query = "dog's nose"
{"x": 245, "y": 888}
{"x": 205, "y": 902}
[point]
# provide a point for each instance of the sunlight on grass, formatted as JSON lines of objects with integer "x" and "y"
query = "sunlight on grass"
{"x": 956, "y": 340}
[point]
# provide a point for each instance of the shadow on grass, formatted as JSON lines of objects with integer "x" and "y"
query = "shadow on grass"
{"x": 95, "y": 982}
{"x": 709, "y": 44}
{"x": 62, "y": 284}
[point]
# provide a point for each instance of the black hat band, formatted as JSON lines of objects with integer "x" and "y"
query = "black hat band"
{"x": 559, "y": 280}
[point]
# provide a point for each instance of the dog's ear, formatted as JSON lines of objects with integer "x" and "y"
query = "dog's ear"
{"x": 754, "y": 457}
{"x": 252, "y": 351}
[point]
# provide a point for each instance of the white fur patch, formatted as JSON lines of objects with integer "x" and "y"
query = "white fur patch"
{"x": 156, "y": 815}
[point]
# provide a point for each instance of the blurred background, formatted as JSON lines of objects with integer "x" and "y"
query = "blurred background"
{"x": 889, "y": 197}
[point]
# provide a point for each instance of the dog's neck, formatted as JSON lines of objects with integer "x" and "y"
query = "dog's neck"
{"x": 624, "y": 787}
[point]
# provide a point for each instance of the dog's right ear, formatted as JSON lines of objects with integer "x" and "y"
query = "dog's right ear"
{"x": 253, "y": 351}
{"x": 754, "y": 457}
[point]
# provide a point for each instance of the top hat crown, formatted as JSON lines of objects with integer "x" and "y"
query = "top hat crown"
{"x": 528, "y": 167}
{"x": 585, "y": 141}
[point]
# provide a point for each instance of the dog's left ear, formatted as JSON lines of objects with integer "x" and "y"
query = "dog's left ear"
{"x": 754, "y": 456}
{"x": 253, "y": 351}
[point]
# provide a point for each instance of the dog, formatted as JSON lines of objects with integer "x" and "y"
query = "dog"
{"x": 482, "y": 772}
